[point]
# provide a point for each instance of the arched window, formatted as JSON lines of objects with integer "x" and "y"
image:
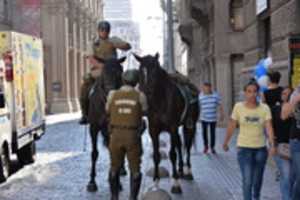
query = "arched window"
{"x": 236, "y": 15}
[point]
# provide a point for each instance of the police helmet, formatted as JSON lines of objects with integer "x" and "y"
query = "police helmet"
{"x": 104, "y": 26}
{"x": 131, "y": 77}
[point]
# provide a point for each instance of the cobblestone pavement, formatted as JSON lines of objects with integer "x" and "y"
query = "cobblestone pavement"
{"x": 61, "y": 171}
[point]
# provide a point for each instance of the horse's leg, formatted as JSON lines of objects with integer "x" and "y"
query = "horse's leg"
{"x": 176, "y": 188}
{"x": 92, "y": 186}
{"x": 156, "y": 155}
{"x": 179, "y": 151}
{"x": 189, "y": 135}
{"x": 105, "y": 135}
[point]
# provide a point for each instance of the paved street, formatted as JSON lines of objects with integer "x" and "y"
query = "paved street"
{"x": 61, "y": 171}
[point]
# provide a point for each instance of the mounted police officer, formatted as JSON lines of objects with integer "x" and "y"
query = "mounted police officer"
{"x": 125, "y": 108}
{"x": 103, "y": 48}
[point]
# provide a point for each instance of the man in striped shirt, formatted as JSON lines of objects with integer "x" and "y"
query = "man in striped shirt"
{"x": 209, "y": 103}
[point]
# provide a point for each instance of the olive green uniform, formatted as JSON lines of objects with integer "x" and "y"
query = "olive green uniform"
{"x": 88, "y": 82}
{"x": 125, "y": 108}
{"x": 104, "y": 49}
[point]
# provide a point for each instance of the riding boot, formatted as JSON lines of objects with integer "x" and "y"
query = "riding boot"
{"x": 123, "y": 171}
{"x": 114, "y": 185}
{"x": 135, "y": 184}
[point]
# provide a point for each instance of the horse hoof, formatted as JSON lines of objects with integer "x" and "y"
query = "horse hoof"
{"x": 92, "y": 187}
{"x": 176, "y": 190}
{"x": 188, "y": 177}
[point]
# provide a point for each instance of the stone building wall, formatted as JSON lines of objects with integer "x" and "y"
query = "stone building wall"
{"x": 226, "y": 56}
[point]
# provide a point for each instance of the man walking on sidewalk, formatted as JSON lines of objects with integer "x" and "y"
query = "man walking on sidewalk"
{"x": 209, "y": 102}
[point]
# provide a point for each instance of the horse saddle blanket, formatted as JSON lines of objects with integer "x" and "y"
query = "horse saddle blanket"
{"x": 188, "y": 91}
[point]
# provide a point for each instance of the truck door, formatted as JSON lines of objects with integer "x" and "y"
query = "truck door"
{"x": 5, "y": 133}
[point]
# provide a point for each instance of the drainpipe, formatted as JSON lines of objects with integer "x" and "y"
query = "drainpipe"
{"x": 171, "y": 64}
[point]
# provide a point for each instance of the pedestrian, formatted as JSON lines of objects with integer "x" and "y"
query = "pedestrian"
{"x": 272, "y": 96}
{"x": 103, "y": 48}
{"x": 209, "y": 102}
{"x": 292, "y": 109}
{"x": 125, "y": 108}
{"x": 281, "y": 133}
{"x": 252, "y": 117}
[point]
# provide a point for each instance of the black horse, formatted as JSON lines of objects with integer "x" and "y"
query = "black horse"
{"x": 168, "y": 109}
{"x": 111, "y": 78}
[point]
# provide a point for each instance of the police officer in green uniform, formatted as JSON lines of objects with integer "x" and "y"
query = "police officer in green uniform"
{"x": 103, "y": 48}
{"x": 126, "y": 107}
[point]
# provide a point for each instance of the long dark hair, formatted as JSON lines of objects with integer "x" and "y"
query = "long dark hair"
{"x": 252, "y": 82}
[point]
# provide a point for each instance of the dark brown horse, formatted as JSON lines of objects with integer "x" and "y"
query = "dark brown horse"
{"x": 110, "y": 79}
{"x": 168, "y": 109}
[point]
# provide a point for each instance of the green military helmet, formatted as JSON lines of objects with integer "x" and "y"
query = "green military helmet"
{"x": 131, "y": 77}
{"x": 104, "y": 26}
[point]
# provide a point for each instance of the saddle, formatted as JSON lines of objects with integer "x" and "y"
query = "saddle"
{"x": 188, "y": 91}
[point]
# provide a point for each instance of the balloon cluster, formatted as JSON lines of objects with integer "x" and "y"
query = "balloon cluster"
{"x": 260, "y": 72}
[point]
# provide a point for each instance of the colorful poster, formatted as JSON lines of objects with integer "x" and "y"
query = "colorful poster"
{"x": 28, "y": 70}
{"x": 294, "y": 46}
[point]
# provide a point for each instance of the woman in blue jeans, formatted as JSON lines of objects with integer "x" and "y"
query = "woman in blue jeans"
{"x": 252, "y": 117}
{"x": 292, "y": 109}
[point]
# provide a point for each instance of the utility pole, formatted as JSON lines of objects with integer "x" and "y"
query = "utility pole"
{"x": 171, "y": 64}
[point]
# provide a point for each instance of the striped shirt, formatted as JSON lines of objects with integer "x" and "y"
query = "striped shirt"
{"x": 209, "y": 104}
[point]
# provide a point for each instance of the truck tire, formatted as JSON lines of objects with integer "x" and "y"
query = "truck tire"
{"x": 5, "y": 166}
{"x": 26, "y": 155}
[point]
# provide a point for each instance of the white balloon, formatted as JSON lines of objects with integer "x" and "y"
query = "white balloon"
{"x": 268, "y": 62}
{"x": 263, "y": 81}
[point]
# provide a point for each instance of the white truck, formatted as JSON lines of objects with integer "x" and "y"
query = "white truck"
{"x": 22, "y": 99}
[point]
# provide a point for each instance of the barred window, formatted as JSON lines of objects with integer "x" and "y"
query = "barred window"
{"x": 236, "y": 15}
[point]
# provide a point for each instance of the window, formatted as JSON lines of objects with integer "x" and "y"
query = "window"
{"x": 4, "y": 8}
{"x": 236, "y": 15}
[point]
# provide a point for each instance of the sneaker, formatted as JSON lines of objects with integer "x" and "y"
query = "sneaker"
{"x": 205, "y": 151}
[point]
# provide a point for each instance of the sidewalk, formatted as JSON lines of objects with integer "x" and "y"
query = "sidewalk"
{"x": 217, "y": 177}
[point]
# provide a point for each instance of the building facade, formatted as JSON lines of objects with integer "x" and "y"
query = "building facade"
{"x": 67, "y": 28}
{"x": 118, "y": 9}
{"x": 225, "y": 39}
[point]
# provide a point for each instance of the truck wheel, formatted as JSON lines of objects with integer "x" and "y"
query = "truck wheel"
{"x": 5, "y": 166}
{"x": 26, "y": 155}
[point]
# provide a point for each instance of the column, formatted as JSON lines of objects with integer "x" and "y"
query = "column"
{"x": 60, "y": 58}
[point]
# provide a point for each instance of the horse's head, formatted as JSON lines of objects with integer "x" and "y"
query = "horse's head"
{"x": 149, "y": 66}
{"x": 112, "y": 74}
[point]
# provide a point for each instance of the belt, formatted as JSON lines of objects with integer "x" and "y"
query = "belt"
{"x": 124, "y": 127}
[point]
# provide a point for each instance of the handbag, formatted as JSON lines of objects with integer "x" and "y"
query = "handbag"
{"x": 283, "y": 150}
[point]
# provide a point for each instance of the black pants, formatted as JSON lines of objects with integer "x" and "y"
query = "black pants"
{"x": 212, "y": 133}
